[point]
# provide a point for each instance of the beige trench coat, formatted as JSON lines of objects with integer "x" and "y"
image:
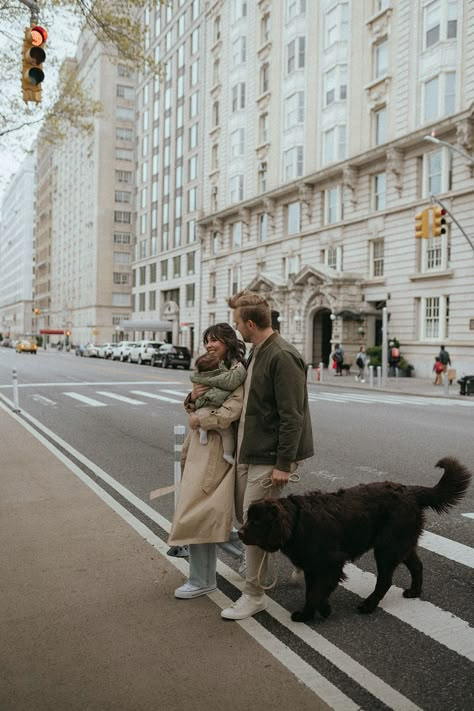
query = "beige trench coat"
{"x": 206, "y": 498}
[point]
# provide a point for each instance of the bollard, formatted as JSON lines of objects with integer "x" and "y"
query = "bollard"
{"x": 379, "y": 375}
{"x": 16, "y": 406}
{"x": 309, "y": 373}
{"x": 321, "y": 371}
{"x": 371, "y": 376}
{"x": 179, "y": 432}
{"x": 446, "y": 383}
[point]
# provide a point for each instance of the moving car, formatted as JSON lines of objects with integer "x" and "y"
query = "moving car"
{"x": 144, "y": 351}
{"x": 172, "y": 356}
{"x": 26, "y": 347}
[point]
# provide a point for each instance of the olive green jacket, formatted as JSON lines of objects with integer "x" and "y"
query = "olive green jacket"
{"x": 277, "y": 426}
{"x": 222, "y": 382}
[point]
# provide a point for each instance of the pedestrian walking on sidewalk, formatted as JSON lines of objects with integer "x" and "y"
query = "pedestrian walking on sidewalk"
{"x": 393, "y": 358}
{"x": 361, "y": 362}
{"x": 203, "y": 516}
{"x": 338, "y": 358}
{"x": 444, "y": 358}
{"x": 438, "y": 369}
{"x": 274, "y": 430}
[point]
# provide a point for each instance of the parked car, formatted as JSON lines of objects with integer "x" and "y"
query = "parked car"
{"x": 122, "y": 350}
{"x": 174, "y": 356}
{"x": 26, "y": 347}
{"x": 144, "y": 351}
{"x": 105, "y": 350}
{"x": 90, "y": 351}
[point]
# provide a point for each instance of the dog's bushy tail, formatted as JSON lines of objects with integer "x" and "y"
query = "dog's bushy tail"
{"x": 449, "y": 490}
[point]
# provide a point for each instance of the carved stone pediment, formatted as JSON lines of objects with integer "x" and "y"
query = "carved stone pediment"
{"x": 465, "y": 135}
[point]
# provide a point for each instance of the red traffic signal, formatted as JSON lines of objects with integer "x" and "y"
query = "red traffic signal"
{"x": 33, "y": 58}
{"x": 439, "y": 221}
{"x": 38, "y": 36}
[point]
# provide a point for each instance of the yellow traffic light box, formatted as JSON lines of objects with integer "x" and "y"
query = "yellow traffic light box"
{"x": 422, "y": 224}
{"x": 439, "y": 221}
{"x": 32, "y": 63}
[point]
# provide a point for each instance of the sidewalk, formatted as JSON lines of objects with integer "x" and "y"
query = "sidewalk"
{"x": 88, "y": 621}
{"x": 405, "y": 386}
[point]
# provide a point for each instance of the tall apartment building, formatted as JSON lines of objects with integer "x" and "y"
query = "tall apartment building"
{"x": 316, "y": 163}
{"x": 170, "y": 140}
{"x": 85, "y": 216}
{"x": 17, "y": 237}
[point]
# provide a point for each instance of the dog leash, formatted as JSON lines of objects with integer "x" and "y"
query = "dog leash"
{"x": 259, "y": 582}
{"x": 293, "y": 479}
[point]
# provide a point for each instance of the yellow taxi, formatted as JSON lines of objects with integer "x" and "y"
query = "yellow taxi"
{"x": 26, "y": 347}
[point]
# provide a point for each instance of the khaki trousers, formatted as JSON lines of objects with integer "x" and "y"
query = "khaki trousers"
{"x": 249, "y": 478}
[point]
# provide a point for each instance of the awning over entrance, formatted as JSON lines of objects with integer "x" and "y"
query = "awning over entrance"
{"x": 146, "y": 325}
{"x": 52, "y": 331}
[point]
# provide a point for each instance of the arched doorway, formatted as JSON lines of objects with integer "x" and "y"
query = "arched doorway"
{"x": 322, "y": 334}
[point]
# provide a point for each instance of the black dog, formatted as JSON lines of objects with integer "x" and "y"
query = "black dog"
{"x": 320, "y": 532}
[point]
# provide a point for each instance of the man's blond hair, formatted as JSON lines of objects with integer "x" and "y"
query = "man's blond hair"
{"x": 252, "y": 307}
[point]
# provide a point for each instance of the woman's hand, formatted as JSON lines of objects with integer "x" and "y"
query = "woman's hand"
{"x": 193, "y": 421}
{"x": 197, "y": 391}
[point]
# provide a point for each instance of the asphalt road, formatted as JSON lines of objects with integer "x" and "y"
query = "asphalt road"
{"x": 409, "y": 654}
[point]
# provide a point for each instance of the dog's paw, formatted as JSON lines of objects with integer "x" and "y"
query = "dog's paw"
{"x": 366, "y": 607}
{"x": 411, "y": 593}
{"x": 324, "y": 609}
{"x": 301, "y": 616}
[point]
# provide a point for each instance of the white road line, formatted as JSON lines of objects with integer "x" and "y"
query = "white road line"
{"x": 156, "y": 397}
{"x": 86, "y": 400}
{"x": 392, "y": 400}
{"x": 81, "y": 383}
{"x": 447, "y": 548}
{"x": 182, "y": 393}
{"x": 469, "y": 515}
{"x": 43, "y": 400}
{"x": 123, "y": 398}
{"x": 440, "y": 625}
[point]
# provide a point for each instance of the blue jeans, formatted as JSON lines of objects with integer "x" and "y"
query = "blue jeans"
{"x": 203, "y": 559}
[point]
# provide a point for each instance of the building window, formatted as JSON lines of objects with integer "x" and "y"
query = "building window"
{"x": 236, "y": 235}
{"x": 121, "y": 258}
{"x": 123, "y": 196}
{"x": 123, "y": 176}
{"x": 264, "y": 78}
{"x": 336, "y": 24}
{"x": 176, "y": 267}
{"x": 434, "y": 318}
{"x": 376, "y": 248}
{"x": 237, "y": 188}
{"x": 190, "y": 295}
{"x": 239, "y": 9}
{"x": 192, "y": 199}
{"x": 294, "y": 109}
{"x": 332, "y": 257}
{"x": 295, "y": 54}
{"x": 334, "y": 146}
{"x": 190, "y": 263}
{"x": 238, "y": 97}
{"x": 380, "y": 125}
{"x": 335, "y": 83}
{"x": 215, "y": 114}
{"x": 265, "y": 28}
{"x": 192, "y": 168}
{"x": 121, "y": 238}
{"x": 191, "y": 231}
{"x": 215, "y": 243}
{"x": 216, "y": 67}
{"x": 293, "y": 214}
{"x": 237, "y": 142}
{"x": 332, "y": 205}
{"x": 239, "y": 51}
{"x": 234, "y": 280}
{"x": 295, "y": 8}
{"x": 164, "y": 269}
{"x": 439, "y": 96}
{"x": 125, "y": 114}
{"x": 121, "y": 278}
{"x": 122, "y": 217}
{"x": 152, "y": 300}
{"x": 381, "y": 59}
{"x": 436, "y": 172}
{"x": 379, "y": 183}
{"x": 124, "y": 154}
{"x": 217, "y": 29}
{"x": 195, "y": 41}
{"x": 262, "y": 176}
{"x": 123, "y": 134}
{"x": 193, "y": 136}
{"x": 440, "y": 21}
{"x": 212, "y": 286}
{"x": 262, "y": 227}
{"x": 434, "y": 254}
{"x": 193, "y": 104}
{"x": 263, "y": 128}
{"x": 293, "y": 163}
{"x": 126, "y": 92}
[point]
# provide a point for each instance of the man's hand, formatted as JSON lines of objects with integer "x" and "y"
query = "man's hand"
{"x": 280, "y": 478}
{"x": 197, "y": 391}
{"x": 193, "y": 421}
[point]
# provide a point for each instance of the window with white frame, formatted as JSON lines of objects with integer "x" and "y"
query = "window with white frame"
{"x": 290, "y": 265}
{"x": 294, "y": 109}
{"x": 434, "y": 318}
{"x": 295, "y": 54}
{"x": 440, "y": 21}
{"x": 335, "y": 84}
{"x": 190, "y": 263}
{"x": 293, "y": 163}
{"x": 379, "y": 187}
{"x": 238, "y": 97}
{"x": 217, "y": 29}
{"x": 191, "y": 235}
{"x": 215, "y": 156}
{"x": 439, "y": 96}
{"x": 193, "y": 136}
{"x": 122, "y": 238}
{"x": 193, "y": 104}
{"x": 216, "y": 68}
{"x": 124, "y": 134}
{"x": 123, "y": 196}
{"x": 237, "y": 142}
{"x": 239, "y": 51}
{"x": 265, "y": 28}
{"x": 236, "y": 188}
{"x": 336, "y": 24}
{"x": 332, "y": 257}
{"x": 436, "y": 172}
{"x": 121, "y": 278}
{"x": 239, "y": 9}
{"x": 263, "y": 128}
{"x": 334, "y": 144}
{"x": 380, "y": 125}
{"x": 237, "y": 235}
{"x": 381, "y": 59}
{"x": 293, "y": 218}
{"x": 192, "y": 168}
{"x": 190, "y": 295}
{"x": 235, "y": 280}
{"x": 122, "y": 217}
{"x": 123, "y": 176}
{"x": 125, "y": 92}
{"x": 262, "y": 176}
{"x": 177, "y": 266}
{"x": 264, "y": 78}
{"x": 332, "y": 205}
{"x": 152, "y": 300}
{"x": 215, "y": 242}
{"x": 262, "y": 219}
{"x": 164, "y": 269}
{"x": 192, "y": 199}
{"x": 434, "y": 254}
{"x": 295, "y": 8}
{"x": 380, "y": 5}
{"x": 376, "y": 257}
{"x": 194, "y": 73}
{"x": 195, "y": 40}
{"x": 212, "y": 286}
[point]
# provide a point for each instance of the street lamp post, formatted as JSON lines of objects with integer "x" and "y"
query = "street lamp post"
{"x": 464, "y": 154}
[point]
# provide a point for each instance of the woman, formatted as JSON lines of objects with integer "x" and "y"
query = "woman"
{"x": 203, "y": 516}
{"x": 361, "y": 362}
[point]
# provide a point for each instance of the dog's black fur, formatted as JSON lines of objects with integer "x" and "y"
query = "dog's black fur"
{"x": 320, "y": 532}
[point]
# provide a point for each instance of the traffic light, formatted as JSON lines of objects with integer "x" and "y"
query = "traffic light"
{"x": 68, "y": 333}
{"x": 422, "y": 224}
{"x": 439, "y": 221}
{"x": 37, "y": 312}
{"x": 33, "y": 57}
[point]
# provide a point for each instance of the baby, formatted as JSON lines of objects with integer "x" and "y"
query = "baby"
{"x": 222, "y": 381}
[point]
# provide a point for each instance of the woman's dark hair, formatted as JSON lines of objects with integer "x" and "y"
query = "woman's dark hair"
{"x": 224, "y": 333}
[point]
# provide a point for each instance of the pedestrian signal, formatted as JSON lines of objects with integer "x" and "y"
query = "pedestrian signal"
{"x": 439, "y": 221}
{"x": 32, "y": 63}
{"x": 422, "y": 224}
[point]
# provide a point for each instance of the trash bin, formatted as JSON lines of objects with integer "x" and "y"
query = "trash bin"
{"x": 466, "y": 385}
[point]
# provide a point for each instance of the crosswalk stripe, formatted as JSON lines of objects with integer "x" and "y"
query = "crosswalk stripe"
{"x": 176, "y": 392}
{"x": 122, "y": 398}
{"x": 393, "y": 400}
{"x": 156, "y": 397}
{"x": 86, "y": 400}
{"x": 447, "y": 548}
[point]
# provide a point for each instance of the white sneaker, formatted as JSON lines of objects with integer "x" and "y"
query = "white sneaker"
{"x": 188, "y": 590}
{"x": 243, "y": 564}
{"x": 245, "y": 606}
{"x": 362, "y": 381}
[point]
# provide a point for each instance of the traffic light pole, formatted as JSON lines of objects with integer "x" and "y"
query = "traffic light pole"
{"x": 436, "y": 200}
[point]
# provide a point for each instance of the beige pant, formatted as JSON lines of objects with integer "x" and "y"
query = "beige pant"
{"x": 249, "y": 489}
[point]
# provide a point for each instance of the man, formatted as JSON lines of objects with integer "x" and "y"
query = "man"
{"x": 393, "y": 358}
{"x": 443, "y": 355}
{"x": 274, "y": 431}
